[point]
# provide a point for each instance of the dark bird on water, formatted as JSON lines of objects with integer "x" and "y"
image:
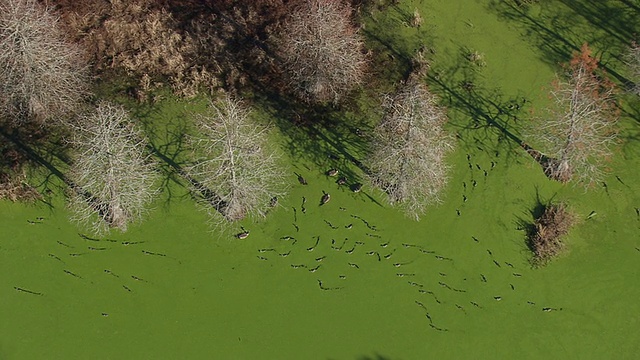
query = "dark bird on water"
{"x": 301, "y": 179}
{"x": 325, "y": 198}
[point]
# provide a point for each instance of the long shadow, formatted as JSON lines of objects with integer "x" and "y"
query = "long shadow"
{"x": 616, "y": 20}
{"x": 558, "y": 32}
{"x": 253, "y": 70}
{"x": 207, "y": 195}
{"x": 492, "y": 116}
{"x": 103, "y": 209}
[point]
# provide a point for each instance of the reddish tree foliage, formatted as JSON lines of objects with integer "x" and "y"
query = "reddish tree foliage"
{"x": 577, "y": 133}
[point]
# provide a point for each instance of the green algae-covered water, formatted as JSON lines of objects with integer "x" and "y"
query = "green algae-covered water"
{"x": 354, "y": 279}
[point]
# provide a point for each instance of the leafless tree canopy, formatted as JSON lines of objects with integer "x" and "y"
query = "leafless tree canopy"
{"x": 633, "y": 62}
{"x": 578, "y": 131}
{"x": 113, "y": 176}
{"x": 409, "y": 148}
{"x": 322, "y": 50}
{"x": 41, "y": 75}
{"x": 235, "y": 166}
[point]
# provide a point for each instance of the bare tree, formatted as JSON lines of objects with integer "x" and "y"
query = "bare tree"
{"x": 42, "y": 76}
{"x": 578, "y": 131}
{"x": 322, "y": 50}
{"x": 633, "y": 63}
{"x": 409, "y": 148}
{"x": 236, "y": 173}
{"x": 113, "y": 176}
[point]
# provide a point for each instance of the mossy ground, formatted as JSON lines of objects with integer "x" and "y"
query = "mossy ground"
{"x": 219, "y": 297}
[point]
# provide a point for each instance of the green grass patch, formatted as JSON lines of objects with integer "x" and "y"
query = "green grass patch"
{"x": 172, "y": 288}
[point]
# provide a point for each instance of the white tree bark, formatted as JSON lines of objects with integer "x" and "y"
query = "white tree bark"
{"x": 113, "y": 176}
{"x": 42, "y": 76}
{"x": 322, "y": 51}
{"x": 579, "y": 129}
{"x": 234, "y": 164}
{"x": 409, "y": 149}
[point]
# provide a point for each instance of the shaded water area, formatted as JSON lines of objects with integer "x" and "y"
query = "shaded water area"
{"x": 354, "y": 278}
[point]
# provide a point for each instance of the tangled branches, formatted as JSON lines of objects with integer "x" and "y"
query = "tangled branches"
{"x": 42, "y": 76}
{"x": 236, "y": 173}
{"x": 112, "y": 176}
{"x": 409, "y": 148}
{"x": 579, "y": 130}
{"x": 322, "y": 51}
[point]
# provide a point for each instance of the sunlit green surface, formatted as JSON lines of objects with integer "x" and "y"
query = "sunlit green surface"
{"x": 214, "y": 297}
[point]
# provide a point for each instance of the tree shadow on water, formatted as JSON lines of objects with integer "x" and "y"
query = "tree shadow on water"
{"x": 560, "y": 30}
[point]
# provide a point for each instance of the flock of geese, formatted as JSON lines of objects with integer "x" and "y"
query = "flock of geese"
{"x": 347, "y": 244}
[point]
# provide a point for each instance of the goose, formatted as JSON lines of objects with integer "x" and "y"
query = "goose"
{"x": 325, "y": 198}
{"x": 301, "y": 179}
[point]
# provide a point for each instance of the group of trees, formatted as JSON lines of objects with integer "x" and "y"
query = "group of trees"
{"x": 113, "y": 178}
{"x": 319, "y": 50}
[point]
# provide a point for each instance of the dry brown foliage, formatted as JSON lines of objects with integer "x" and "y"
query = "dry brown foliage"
{"x": 14, "y": 187}
{"x": 190, "y": 45}
{"x": 546, "y": 238}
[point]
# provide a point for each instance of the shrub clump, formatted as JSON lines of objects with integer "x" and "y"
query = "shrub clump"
{"x": 546, "y": 238}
